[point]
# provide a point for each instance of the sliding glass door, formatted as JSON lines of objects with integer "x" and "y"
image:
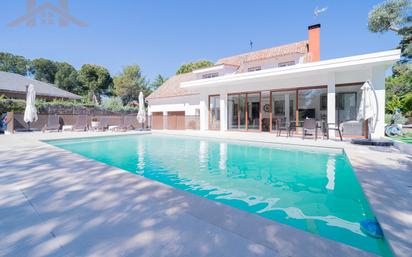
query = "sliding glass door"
{"x": 243, "y": 110}
{"x": 214, "y": 112}
{"x": 253, "y": 111}
{"x": 283, "y": 108}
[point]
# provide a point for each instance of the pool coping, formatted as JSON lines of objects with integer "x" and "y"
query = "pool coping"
{"x": 242, "y": 142}
{"x": 390, "y": 222}
{"x": 359, "y": 171}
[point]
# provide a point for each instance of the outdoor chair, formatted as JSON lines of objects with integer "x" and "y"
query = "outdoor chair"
{"x": 282, "y": 125}
{"x": 309, "y": 127}
{"x": 53, "y": 123}
{"x": 128, "y": 122}
{"x": 334, "y": 128}
{"x": 81, "y": 123}
{"x": 103, "y": 124}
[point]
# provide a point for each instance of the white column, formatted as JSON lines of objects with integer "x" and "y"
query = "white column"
{"x": 378, "y": 83}
{"x": 331, "y": 104}
{"x": 165, "y": 120}
{"x": 287, "y": 107}
{"x": 223, "y": 112}
{"x": 203, "y": 112}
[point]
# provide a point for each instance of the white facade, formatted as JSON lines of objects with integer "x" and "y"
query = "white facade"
{"x": 189, "y": 104}
{"x": 329, "y": 74}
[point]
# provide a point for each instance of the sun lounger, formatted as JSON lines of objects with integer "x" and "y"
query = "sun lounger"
{"x": 126, "y": 123}
{"x": 53, "y": 123}
{"x": 81, "y": 123}
{"x": 129, "y": 122}
{"x": 103, "y": 124}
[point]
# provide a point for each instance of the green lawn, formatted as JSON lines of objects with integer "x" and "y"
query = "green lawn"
{"x": 406, "y": 138}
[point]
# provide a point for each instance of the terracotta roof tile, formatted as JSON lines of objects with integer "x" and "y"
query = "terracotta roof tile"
{"x": 298, "y": 47}
{"x": 172, "y": 87}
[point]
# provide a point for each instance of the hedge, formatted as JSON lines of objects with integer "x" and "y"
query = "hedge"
{"x": 60, "y": 107}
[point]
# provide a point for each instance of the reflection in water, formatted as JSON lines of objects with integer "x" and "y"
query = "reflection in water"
{"x": 330, "y": 173}
{"x": 223, "y": 156}
{"x": 140, "y": 155}
{"x": 203, "y": 153}
{"x": 310, "y": 190}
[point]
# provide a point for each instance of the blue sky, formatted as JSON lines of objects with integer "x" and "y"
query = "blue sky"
{"x": 160, "y": 35}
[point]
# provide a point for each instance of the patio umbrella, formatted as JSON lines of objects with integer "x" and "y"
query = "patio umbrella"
{"x": 141, "y": 115}
{"x": 30, "y": 113}
{"x": 368, "y": 106}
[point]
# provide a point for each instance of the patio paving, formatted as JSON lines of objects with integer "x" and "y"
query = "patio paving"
{"x": 57, "y": 203}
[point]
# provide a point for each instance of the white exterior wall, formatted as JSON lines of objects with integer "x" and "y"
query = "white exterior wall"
{"x": 349, "y": 70}
{"x": 376, "y": 76}
{"x": 378, "y": 83}
{"x": 188, "y": 104}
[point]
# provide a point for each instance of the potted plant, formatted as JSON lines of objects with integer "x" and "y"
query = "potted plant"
{"x": 95, "y": 122}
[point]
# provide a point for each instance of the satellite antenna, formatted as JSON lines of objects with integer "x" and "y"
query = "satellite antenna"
{"x": 318, "y": 11}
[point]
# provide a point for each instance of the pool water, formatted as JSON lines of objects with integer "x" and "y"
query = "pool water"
{"x": 313, "y": 190}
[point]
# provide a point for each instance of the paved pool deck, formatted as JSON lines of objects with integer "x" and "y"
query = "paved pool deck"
{"x": 57, "y": 203}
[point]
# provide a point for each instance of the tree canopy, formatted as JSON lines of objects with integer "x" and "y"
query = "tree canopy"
{"x": 389, "y": 15}
{"x": 129, "y": 83}
{"x": 158, "y": 81}
{"x": 14, "y": 64}
{"x": 44, "y": 70}
{"x": 396, "y": 16}
{"x": 189, "y": 67}
{"x": 96, "y": 80}
{"x": 66, "y": 78}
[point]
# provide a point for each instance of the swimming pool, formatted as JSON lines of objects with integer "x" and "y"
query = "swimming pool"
{"x": 311, "y": 189}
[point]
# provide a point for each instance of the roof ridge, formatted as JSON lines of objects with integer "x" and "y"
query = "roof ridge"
{"x": 263, "y": 49}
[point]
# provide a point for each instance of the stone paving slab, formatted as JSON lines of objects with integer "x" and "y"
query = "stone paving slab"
{"x": 96, "y": 210}
{"x": 74, "y": 206}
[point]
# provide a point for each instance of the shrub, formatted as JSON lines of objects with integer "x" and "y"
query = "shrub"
{"x": 116, "y": 104}
{"x": 11, "y": 105}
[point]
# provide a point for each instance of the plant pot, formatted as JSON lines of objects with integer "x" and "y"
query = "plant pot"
{"x": 95, "y": 124}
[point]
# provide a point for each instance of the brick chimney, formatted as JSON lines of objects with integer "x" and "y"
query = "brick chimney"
{"x": 314, "y": 42}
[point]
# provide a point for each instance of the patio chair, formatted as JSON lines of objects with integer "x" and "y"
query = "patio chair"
{"x": 331, "y": 126}
{"x": 103, "y": 123}
{"x": 81, "y": 123}
{"x": 282, "y": 125}
{"x": 309, "y": 127}
{"x": 53, "y": 123}
{"x": 128, "y": 123}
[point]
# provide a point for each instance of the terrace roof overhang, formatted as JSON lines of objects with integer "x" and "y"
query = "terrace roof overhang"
{"x": 342, "y": 70}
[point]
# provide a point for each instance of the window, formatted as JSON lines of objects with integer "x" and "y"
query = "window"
{"x": 257, "y": 68}
{"x": 284, "y": 64}
{"x": 214, "y": 112}
{"x": 210, "y": 75}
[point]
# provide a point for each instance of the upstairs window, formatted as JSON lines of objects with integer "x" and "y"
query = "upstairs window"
{"x": 284, "y": 64}
{"x": 257, "y": 68}
{"x": 210, "y": 75}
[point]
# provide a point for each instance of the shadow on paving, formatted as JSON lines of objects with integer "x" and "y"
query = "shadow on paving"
{"x": 389, "y": 190}
{"x": 57, "y": 203}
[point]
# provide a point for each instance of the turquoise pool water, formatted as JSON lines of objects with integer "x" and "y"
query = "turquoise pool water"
{"x": 313, "y": 190}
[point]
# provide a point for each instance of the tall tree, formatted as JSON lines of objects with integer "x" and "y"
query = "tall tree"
{"x": 96, "y": 80}
{"x": 158, "y": 81}
{"x": 14, "y": 64}
{"x": 44, "y": 70}
{"x": 189, "y": 67}
{"x": 129, "y": 83}
{"x": 396, "y": 16}
{"x": 66, "y": 78}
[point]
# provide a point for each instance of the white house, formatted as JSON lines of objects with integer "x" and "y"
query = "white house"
{"x": 264, "y": 90}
